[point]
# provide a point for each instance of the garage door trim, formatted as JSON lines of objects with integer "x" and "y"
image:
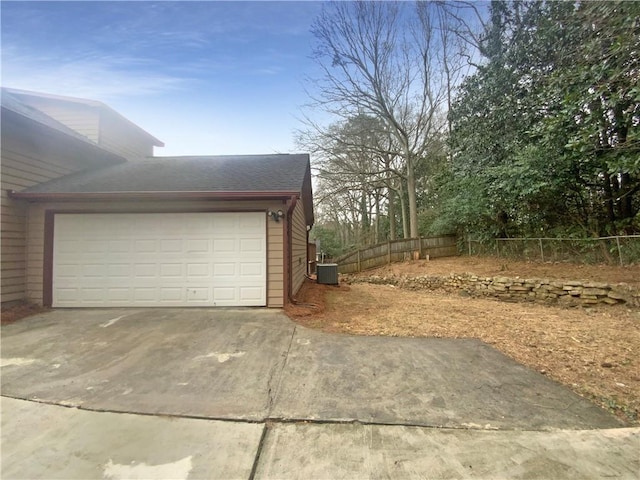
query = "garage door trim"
{"x": 49, "y": 230}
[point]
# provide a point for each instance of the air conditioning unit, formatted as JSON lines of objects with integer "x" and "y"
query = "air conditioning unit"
{"x": 327, "y": 273}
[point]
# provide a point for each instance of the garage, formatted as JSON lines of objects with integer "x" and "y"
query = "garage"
{"x": 159, "y": 259}
{"x": 203, "y": 231}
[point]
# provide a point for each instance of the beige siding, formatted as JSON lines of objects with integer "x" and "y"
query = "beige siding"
{"x": 84, "y": 119}
{"x": 35, "y": 244}
{"x": 275, "y": 262}
{"x": 121, "y": 139}
{"x": 298, "y": 247}
{"x": 22, "y": 166}
{"x": 99, "y": 125}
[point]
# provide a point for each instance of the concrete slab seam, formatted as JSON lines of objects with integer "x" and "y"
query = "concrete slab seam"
{"x": 315, "y": 421}
{"x": 312, "y": 421}
{"x": 256, "y": 459}
{"x": 142, "y": 414}
{"x": 273, "y": 394}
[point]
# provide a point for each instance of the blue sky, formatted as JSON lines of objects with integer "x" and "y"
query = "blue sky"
{"x": 204, "y": 77}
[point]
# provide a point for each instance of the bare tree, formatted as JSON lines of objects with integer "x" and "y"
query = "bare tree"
{"x": 467, "y": 21}
{"x": 382, "y": 60}
{"x": 349, "y": 163}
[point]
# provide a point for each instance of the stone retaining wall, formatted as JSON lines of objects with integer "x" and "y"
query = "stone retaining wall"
{"x": 543, "y": 290}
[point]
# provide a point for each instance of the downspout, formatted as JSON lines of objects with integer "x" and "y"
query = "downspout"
{"x": 288, "y": 241}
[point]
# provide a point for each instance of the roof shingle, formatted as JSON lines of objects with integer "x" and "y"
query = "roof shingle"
{"x": 236, "y": 173}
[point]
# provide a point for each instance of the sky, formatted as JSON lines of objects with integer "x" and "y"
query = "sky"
{"x": 206, "y": 78}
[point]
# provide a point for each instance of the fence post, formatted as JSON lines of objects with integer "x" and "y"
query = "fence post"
{"x": 541, "y": 249}
{"x": 469, "y": 246}
{"x": 388, "y": 252}
{"x": 359, "y": 265}
{"x": 619, "y": 250}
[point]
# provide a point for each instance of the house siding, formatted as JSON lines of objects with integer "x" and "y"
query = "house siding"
{"x": 298, "y": 247}
{"x": 23, "y": 165}
{"x": 100, "y": 125}
{"x": 36, "y": 235}
{"x": 84, "y": 119}
{"x": 120, "y": 139}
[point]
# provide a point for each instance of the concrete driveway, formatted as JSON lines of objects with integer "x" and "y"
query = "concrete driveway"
{"x": 211, "y": 393}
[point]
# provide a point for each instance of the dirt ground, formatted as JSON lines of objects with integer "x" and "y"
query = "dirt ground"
{"x": 17, "y": 310}
{"x": 594, "y": 351}
{"x": 494, "y": 266}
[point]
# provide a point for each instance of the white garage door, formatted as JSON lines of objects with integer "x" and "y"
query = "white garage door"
{"x": 181, "y": 259}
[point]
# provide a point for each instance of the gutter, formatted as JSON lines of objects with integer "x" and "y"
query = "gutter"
{"x": 151, "y": 195}
{"x": 288, "y": 240}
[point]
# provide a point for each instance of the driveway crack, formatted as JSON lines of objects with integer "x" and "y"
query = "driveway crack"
{"x": 276, "y": 376}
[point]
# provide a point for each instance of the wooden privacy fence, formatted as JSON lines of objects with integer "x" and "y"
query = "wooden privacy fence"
{"x": 397, "y": 251}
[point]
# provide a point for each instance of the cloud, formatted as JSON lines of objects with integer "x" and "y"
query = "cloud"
{"x": 268, "y": 70}
{"x": 205, "y": 77}
{"x": 95, "y": 76}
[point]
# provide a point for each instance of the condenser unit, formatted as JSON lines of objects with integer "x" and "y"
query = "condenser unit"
{"x": 327, "y": 273}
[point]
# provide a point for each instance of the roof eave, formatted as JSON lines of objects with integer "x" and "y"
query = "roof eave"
{"x": 93, "y": 196}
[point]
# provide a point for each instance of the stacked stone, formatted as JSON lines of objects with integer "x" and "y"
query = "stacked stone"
{"x": 533, "y": 289}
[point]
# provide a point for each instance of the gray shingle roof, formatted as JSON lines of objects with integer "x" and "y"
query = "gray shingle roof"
{"x": 241, "y": 173}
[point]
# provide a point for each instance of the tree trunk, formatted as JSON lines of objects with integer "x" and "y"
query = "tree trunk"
{"x": 413, "y": 202}
{"x": 625, "y": 189}
{"x": 609, "y": 203}
{"x": 392, "y": 214}
{"x": 403, "y": 210}
{"x": 377, "y": 221}
{"x": 392, "y": 199}
{"x": 364, "y": 214}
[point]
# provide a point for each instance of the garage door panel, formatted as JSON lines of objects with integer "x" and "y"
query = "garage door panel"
{"x": 68, "y": 294}
{"x": 198, "y": 246}
{"x": 199, "y": 294}
{"x": 70, "y": 247}
{"x": 145, "y": 246}
{"x": 119, "y": 270}
{"x": 69, "y": 271}
{"x": 224, "y": 246}
{"x": 145, "y": 294}
{"x": 251, "y": 245}
{"x": 254, "y": 270}
{"x": 93, "y": 295}
{"x": 224, "y": 294}
{"x": 224, "y": 224}
{"x": 118, "y": 294}
{"x": 250, "y": 293}
{"x": 146, "y": 270}
{"x": 118, "y": 246}
{"x": 248, "y": 224}
{"x": 195, "y": 270}
{"x": 221, "y": 270}
{"x": 172, "y": 294}
{"x": 204, "y": 259}
{"x": 94, "y": 270}
{"x": 171, "y": 245}
{"x": 173, "y": 271}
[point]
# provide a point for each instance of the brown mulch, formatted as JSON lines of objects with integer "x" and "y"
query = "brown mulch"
{"x": 18, "y": 310}
{"x": 593, "y": 351}
{"x": 497, "y": 266}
